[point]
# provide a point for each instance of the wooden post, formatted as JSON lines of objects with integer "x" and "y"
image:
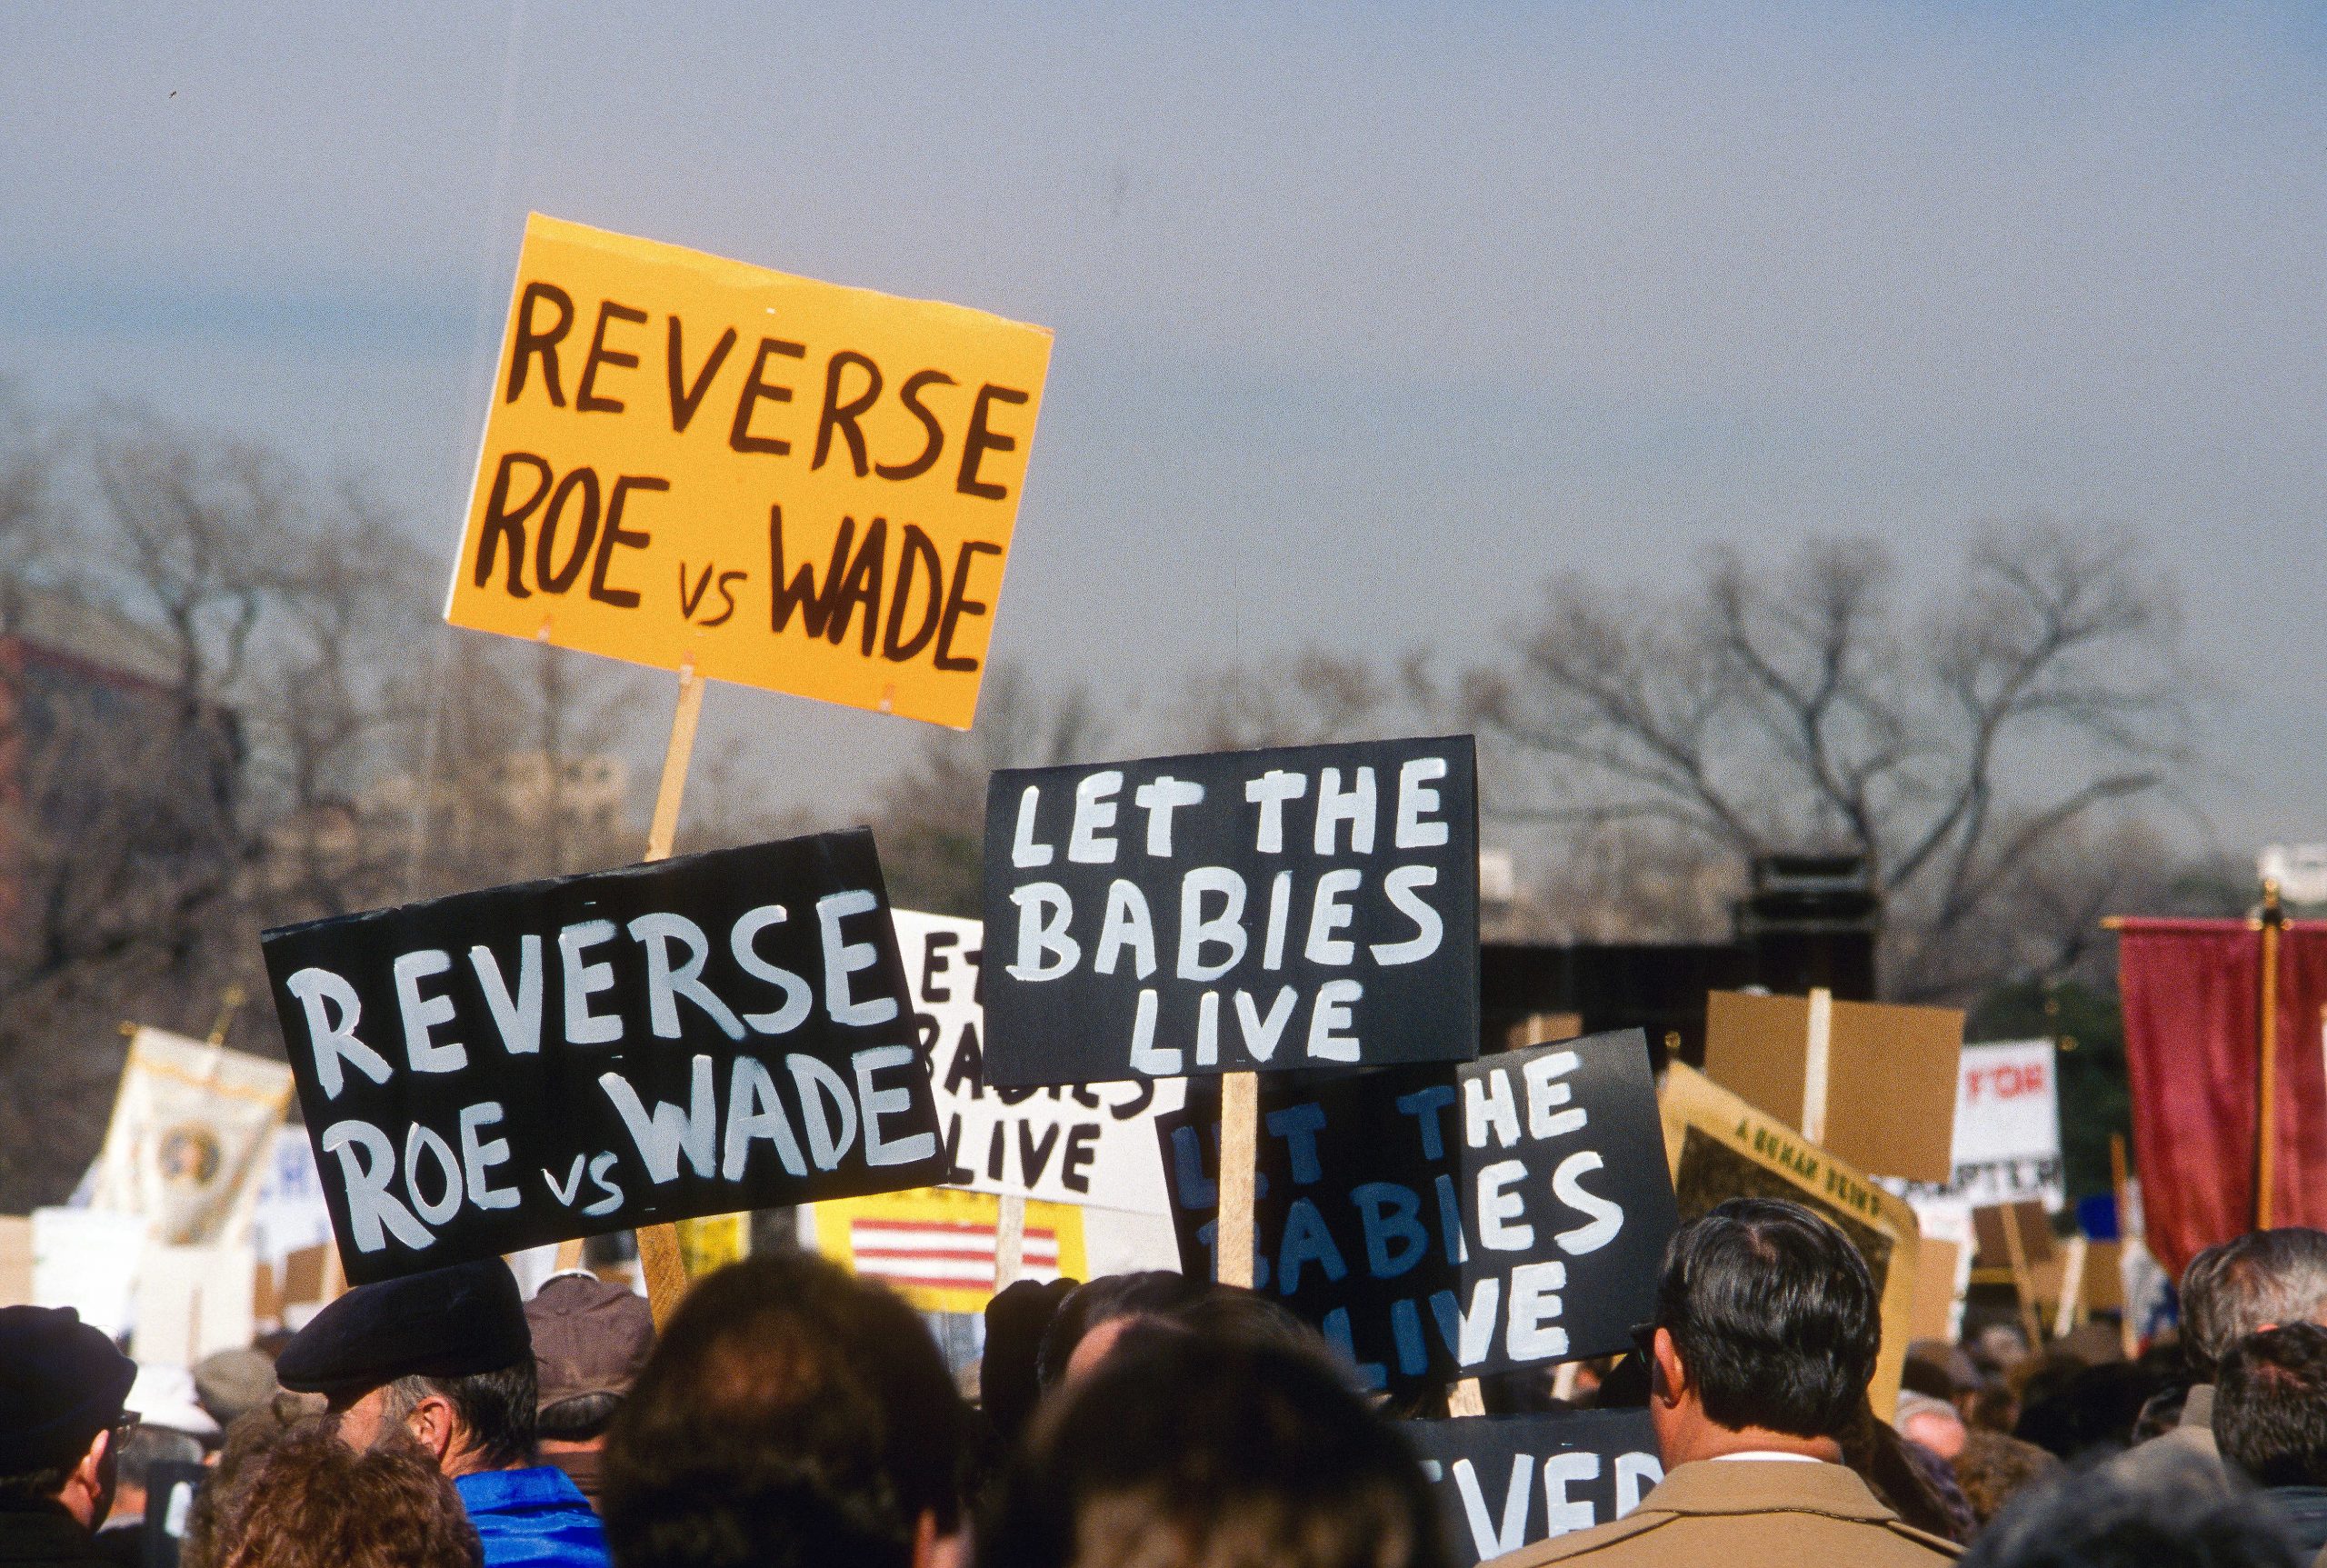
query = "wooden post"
{"x": 230, "y": 1002}
{"x": 1009, "y": 1242}
{"x": 661, "y": 1263}
{"x": 2071, "y": 1310}
{"x": 1240, "y": 1150}
{"x": 1467, "y": 1398}
{"x": 2266, "y": 1069}
{"x": 2022, "y": 1286}
{"x": 2129, "y": 1332}
{"x": 1814, "y": 1065}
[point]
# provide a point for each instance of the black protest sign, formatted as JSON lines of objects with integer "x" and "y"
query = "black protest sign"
{"x": 1301, "y": 908}
{"x": 1444, "y": 1221}
{"x": 1503, "y": 1482}
{"x": 524, "y": 1065}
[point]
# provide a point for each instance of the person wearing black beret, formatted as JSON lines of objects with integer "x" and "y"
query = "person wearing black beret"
{"x": 62, "y": 1388}
{"x": 446, "y": 1357}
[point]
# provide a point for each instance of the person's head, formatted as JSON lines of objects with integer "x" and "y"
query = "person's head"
{"x": 791, "y": 1416}
{"x": 2151, "y": 1509}
{"x": 590, "y": 1338}
{"x": 2270, "y": 1405}
{"x": 1179, "y": 1451}
{"x": 445, "y": 1358}
{"x": 2254, "y": 1282}
{"x": 1933, "y": 1423}
{"x": 1766, "y": 1333}
{"x": 231, "y": 1383}
{"x": 310, "y": 1501}
{"x": 62, "y": 1388}
{"x": 1095, "y": 1313}
{"x": 141, "y": 1451}
{"x": 248, "y": 1437}
{"x": 1993, "y": 1469}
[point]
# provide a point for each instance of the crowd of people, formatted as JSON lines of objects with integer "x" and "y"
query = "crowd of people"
{"x": 790, "y": 1416}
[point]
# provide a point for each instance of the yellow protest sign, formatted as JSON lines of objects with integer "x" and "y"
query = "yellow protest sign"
{"x": 791, "y": 484}
{"x": 1721, "y": 1147}
{"x": 935, "y": 1247}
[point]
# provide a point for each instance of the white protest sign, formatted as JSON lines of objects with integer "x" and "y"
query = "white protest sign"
{"x": 2007, "y": 1144}
{"x": 1069, "y": 1144}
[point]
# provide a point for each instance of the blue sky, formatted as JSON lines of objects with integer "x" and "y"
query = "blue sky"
{"x": 1367, "y": 317}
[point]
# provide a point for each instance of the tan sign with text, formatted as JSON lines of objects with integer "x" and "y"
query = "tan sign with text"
{"x": 791, "y": 484}
{"x": 1721, "y": 1147}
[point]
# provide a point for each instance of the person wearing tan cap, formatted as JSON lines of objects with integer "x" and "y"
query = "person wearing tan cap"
{"x": 590, "y": 1338}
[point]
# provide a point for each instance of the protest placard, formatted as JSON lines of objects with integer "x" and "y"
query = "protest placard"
{"x": 1722, "y": 1147}
{"x": 1503, "y": 1482}
{"x": 937, "y": 1248}
{"x": 1083, "y": 1143}
{"x": 522, "y": 1064}
{"x": 1885, "y": 1082}
{"x": 788, "y": 483}
{"x": 1243, "y": 911}
{"x": 192, "y": 1132}
{"x": 1444, "y": 1221}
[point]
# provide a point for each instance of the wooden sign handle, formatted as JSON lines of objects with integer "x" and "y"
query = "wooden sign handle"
{"x": 1815, "y": 1065}
{"x": 660, "y": 1262}
{"x": 1240, "y": 1149}
{"x": 1009, "y": 1242}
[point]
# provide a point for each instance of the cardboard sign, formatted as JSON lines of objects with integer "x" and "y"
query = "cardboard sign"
{"x": 791, "y": 484}
{"x": 1440, "y": 1223}
{"x": 1889, "y": 1075}
{"x": 496, "y": 1070}
{"x": 1505, "y": 1482}
{"x": 1722, "y": 1147}
{"x": 1084, "y": 1144}
{"x": 1306, "y": 907}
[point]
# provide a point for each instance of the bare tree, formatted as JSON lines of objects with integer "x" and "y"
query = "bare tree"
{"x": 1961, "y": 751}
{"x": 1310, "y": 697}
{"x": 217, "y": 715}
{"x": 931, "y": 819}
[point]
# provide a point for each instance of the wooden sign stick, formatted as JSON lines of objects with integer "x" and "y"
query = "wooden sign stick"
{"x": 1009, "y": 1242}
{"x": 1815, "y": 1064}
{"x": 2023, "y": 1285}
{"x": 659, "y": 1258}
{"x": 1240, "y": 1153}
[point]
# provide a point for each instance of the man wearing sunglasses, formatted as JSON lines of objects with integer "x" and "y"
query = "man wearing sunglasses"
{"x": 62, "y": 1386}
{"x": 1766, "y": 1328}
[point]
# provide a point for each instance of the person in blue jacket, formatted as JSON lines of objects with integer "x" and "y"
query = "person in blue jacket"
{"x": 447, "y": 1358}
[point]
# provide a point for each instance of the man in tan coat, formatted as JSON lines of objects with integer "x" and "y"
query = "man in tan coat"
{"x": 1766, "y": 1328}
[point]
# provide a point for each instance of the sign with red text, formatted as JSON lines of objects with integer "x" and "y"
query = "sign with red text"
{"x": 786, "y": 483}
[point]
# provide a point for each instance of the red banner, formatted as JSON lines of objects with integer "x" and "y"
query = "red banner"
{"x": 2192, "y": 992}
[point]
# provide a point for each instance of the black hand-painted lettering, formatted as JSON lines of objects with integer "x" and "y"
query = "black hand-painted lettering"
{"x": 909, "y": 394}
{"x": 756, "y": 386}
{"x": 531, "y": 341}
{"x": 843, "y": 417}
{"x": 685, "y": 400}
{"x": 981, "y": 439}
{"x": 586, "y": 400}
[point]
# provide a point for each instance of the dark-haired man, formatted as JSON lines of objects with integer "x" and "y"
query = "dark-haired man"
{"x": 2271, "y": 1419}
{"x": 62, "y": 1388}
{"x": 1765, "y": 1335}
{"x": 791, "y": 1416}
{"x": 447, "y": 1358}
